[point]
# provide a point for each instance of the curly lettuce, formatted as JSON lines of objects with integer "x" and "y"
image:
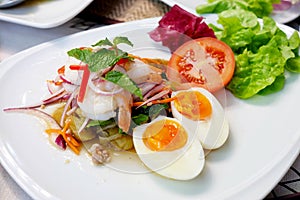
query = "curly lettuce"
{"x": 260, "y": 8}
{"x": 263, "y": 52}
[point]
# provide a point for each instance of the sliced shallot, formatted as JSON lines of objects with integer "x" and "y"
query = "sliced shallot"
{"x": 155, "y": 97}
{"x": 54, "y": 95}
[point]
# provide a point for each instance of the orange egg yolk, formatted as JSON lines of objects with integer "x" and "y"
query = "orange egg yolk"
{"x": 165, "y": 135}
{"x": 193, "y": 105}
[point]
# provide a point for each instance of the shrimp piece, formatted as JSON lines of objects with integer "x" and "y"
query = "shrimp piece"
{"x": 124, "y": 101}
{"x": 141, "y": 72}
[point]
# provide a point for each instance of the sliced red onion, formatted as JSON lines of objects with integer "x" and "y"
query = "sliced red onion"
{"x": 52, "y": 87}
{"x": 146, "y": 87}
{"x": 62, "y": 96}
{"x": 67, "y": 105}
{"x": 49, "y": 100}
{"x": 54, "y": 95}
{"x": 65, "y": 80}
{"x": 36, "y": 105}
{"x": 74, "y": 102}
{"x": 155, "y": 97}
{"x": 70, "y": 87}
{"x": 154, "y": 90}
{"x": 60, "y": 141}
{"x": 71, "y": 111}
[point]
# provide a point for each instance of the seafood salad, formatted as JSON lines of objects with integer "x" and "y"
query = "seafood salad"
{"x": 164, "y": 112}
{"x": 106, "y": 100}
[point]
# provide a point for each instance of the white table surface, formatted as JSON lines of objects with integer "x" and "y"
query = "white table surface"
{"x": 15, "y": 38}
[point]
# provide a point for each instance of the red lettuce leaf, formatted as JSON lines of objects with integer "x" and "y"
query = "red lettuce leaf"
{"x": 178, "y": 26}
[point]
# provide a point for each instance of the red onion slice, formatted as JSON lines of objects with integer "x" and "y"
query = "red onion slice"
{"x": 54, "y": 95}
{"x": 65, "y": 80}
{"x": 52, "y": 87}
{"x": 68, "y": 104}
{"x": 155, "y": 97}
{"x": 155, "y": 90}
{"x": 60, "y": 141}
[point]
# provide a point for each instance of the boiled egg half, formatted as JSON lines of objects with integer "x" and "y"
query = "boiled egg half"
{"x": 200, "y": 112}
{"x": 166, "y": 147}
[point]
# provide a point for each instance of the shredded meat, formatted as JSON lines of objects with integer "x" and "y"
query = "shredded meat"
{"x": 99, "y": 154}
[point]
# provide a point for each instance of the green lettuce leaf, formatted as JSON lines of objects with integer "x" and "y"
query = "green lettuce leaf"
{"x": 260, "y": 8}
{"x": 262, "y": 52}
{"x": 276, "y": 86}
{"x": 293, "y": 64}
{"x": 256, "y": 71}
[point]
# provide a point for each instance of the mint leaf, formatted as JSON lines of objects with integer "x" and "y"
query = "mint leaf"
{"x": 97, "y": 60}
{"x": 123, "y": 81}
{"x": 104, "y": 42}
{"x": 120, "y": 40}
{"x": 116, "y": 41}
{"x": 102, "y": 58}
{"x": 79, "y": 54}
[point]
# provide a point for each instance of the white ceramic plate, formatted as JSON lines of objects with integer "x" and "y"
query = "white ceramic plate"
{"x": 280, "y": 17}
{"x": 264, "y": 139}
{"x": 43, "y": 13}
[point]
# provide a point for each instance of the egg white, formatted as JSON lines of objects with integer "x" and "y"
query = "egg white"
{"x": 213, "y": 131}
{"x": 181, "y": 164}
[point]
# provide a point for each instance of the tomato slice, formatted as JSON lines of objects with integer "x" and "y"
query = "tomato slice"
{"x": 204, "y": 62}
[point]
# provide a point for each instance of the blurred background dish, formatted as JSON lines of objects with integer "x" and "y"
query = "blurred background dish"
{"x": 287, "y": 14}
{"x": 9, "y": 3}
{"x": 43, "y": 13}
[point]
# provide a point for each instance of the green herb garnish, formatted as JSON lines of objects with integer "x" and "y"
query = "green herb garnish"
{"x": 107, "y": 57}
{"x": 260, "y": 8}
{"x": 123, "y": 81}
{"x": 115, "y": 43}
